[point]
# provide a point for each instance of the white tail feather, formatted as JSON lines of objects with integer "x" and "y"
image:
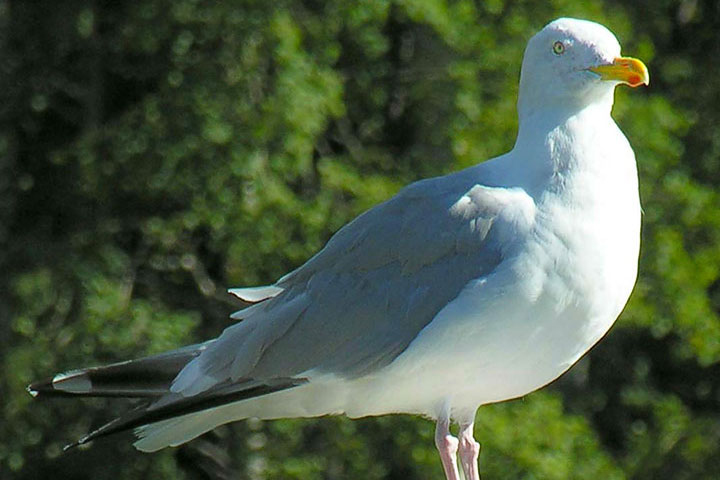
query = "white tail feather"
{"x": 307, "y": 400}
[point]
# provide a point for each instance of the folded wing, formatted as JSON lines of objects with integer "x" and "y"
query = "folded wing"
{"x": 357, "y": 304}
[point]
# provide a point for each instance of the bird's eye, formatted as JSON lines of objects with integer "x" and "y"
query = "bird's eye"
{"x": 558, "y": 48}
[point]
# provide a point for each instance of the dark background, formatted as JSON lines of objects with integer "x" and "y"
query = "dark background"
{"x": 153, "y": 153}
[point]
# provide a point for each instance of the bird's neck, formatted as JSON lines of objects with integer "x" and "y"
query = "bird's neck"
{"x": 537, "y": 124}
{"x": 552, "y": 142}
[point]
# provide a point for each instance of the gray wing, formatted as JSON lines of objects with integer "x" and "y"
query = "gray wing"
{"x": 359, "y": 302}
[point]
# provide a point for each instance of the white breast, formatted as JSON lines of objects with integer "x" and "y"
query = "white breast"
{"x": 521, "y": 327}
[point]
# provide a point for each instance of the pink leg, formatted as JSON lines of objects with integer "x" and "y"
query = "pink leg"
{"x": 447, "y": 446}
{"x": 469, "y": 451}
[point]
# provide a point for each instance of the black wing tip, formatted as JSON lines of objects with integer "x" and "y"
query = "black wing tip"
{"x": 41, "y": 388}
{"x": 73, "y": 445}
{"x": 80, "y": 442}
{"x": 146, "y": 414}
{"x": 33, "y": 390}
{"x": 144, "y": 377}
{"x": 114, "y": 426}
{"x": 72, "y": 383}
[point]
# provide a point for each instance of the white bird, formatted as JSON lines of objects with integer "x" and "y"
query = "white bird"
{"x": 476, "y": 287}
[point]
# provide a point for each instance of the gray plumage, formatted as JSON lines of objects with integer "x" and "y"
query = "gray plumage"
{"x": 358, "y": 303}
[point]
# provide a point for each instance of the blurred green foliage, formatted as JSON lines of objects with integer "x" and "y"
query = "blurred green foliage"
{"x": 153, "y": 153}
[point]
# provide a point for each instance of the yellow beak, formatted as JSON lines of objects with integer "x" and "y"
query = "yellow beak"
{"x": 628, "y": 70}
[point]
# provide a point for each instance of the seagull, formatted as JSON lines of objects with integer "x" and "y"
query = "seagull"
{"x": 460, "y": 291}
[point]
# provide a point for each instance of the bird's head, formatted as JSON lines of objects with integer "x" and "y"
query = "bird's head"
{"x": 574, "y": 63}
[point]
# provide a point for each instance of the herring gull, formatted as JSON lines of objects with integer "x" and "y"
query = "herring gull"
{"x": 460, "y": 291}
